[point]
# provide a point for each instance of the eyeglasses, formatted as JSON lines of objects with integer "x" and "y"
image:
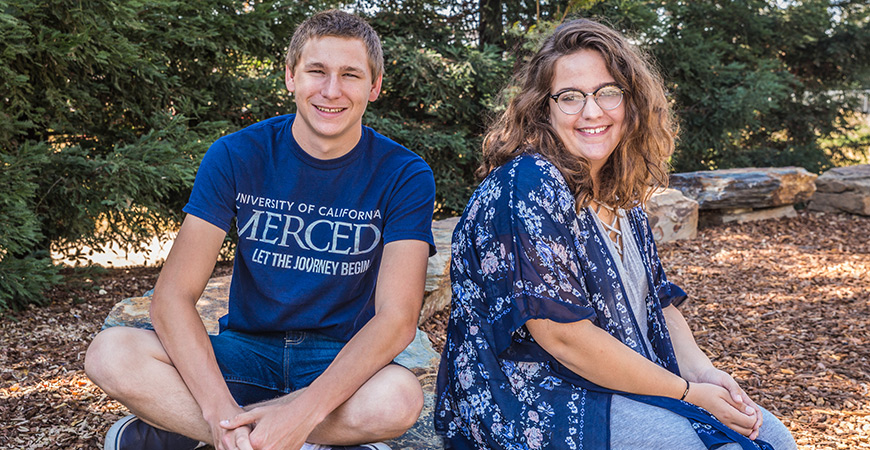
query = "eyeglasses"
{"x": 571, "y": 101}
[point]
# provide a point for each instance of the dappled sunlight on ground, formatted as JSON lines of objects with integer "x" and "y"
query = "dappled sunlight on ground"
{"x": 154, "y": 254}
{"x": 783, "y": 305}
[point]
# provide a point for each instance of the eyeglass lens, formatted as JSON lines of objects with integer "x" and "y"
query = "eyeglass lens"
{"x": 607, "y": 98}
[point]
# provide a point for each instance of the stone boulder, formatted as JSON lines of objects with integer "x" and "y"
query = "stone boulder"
{"x": 740, "y": 215}
{"x": 753, "y": 188}
{"x": 134, "y": 312}
{"x": 439, "y": 264}
{"x": 742, "y": 195}
{"x": 438, "y": 290}
{"x": 672, "y": 216}
{"x": 843, "y": 189}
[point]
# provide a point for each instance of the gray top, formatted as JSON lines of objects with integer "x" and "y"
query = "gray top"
{"x": 631, "y": 271}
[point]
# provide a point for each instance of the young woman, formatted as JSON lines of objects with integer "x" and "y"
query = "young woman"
{"x": 563, "y": 332}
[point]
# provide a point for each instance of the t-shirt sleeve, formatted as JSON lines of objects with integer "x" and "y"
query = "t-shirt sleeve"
{"x": 213, "y": 195}
{"x": 411, "y": 205}
{"x": 534, "y": 226}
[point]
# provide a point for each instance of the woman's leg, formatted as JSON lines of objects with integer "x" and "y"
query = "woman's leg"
{"x": 636, "y": 425}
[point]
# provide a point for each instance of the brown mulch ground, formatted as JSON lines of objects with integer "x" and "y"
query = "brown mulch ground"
{"x": 783, "y": 305}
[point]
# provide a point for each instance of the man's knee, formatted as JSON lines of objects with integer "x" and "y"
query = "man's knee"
{"x": 397, "y": 398}
{"x": 114, "y": 353}
{"x": 407, "y": 397}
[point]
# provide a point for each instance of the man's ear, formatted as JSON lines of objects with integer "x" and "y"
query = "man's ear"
{"x": 376, "y": 88}
{"x": 288, "y": 79}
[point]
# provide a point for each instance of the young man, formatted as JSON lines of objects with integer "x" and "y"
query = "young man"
{"x": 334, "y": 224}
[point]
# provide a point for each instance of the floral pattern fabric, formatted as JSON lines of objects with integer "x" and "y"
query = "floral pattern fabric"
{"x": 521, "y": 252}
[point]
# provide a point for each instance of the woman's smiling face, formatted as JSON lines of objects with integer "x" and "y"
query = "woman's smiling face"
{"x": 593, "y": 133}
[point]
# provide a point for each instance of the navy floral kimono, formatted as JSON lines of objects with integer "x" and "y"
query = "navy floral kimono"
{"x": 520, "y": 252}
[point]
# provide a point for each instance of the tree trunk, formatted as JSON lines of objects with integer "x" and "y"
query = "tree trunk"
{"x": 490, "y": 29}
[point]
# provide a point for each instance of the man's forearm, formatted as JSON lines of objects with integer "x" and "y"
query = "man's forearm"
{"x": 184, "y": 337}
{"x": 177, "y": 322}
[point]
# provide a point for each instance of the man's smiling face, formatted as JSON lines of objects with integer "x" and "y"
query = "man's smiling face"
{"x": 332, "y": 83}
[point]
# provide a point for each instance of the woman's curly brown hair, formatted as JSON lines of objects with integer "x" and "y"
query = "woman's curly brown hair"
{"x": 640, "y": 161}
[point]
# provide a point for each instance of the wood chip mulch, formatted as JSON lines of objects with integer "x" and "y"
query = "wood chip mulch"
{"x": 783, "y": 305}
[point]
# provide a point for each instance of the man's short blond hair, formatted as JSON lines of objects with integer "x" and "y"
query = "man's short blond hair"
{"x": 337, "y": 23}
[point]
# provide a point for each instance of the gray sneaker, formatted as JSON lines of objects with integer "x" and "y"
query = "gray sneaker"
{"x": 131, "y": 433}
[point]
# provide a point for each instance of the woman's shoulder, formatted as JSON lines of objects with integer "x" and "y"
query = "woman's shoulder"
{"x": 529, "y": 172}
{"x": 526, "y": 164}
{"x": 527, "y": 183}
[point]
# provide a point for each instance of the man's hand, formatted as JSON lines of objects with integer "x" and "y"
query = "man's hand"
{"x": 236, "y": 438}
{"x": 232, "y": 439}
{"x": 275, "y": 427}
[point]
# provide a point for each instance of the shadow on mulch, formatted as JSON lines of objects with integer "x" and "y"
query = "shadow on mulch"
{"x": 783, "y": 305}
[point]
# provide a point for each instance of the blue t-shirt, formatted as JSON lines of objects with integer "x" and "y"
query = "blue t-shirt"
{"x": 311, "y": 231}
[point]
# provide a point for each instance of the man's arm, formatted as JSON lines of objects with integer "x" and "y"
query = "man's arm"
{"x": 178, "y": 325}
{"x": 398, "y": 299}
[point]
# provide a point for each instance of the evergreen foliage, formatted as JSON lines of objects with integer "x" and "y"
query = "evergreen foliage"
{"x": 757, "y": 86}
{"x": 436, "y": 97}
{"x": 107, "y": 108}
{"x": 108, "y": 105}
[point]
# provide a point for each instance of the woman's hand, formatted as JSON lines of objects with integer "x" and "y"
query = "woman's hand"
{"x": 736, "y": 414}
{"x": 696, "y": 367}
{"x": 738, "y": 395}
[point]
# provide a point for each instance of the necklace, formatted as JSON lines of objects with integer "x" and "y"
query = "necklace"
{"x": 613, "y": 232}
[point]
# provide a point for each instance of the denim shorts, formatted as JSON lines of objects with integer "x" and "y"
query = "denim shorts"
{"x": 259, "y": 367}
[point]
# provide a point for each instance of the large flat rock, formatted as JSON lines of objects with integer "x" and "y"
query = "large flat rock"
{"x": 134, "y": 312}
{"x": 723, "y": 216}
{"x": 749, "y": 188}
{"x": 439, "y": 264}
{"x": 843, "y": 189}
{"x": 419, "y": 356}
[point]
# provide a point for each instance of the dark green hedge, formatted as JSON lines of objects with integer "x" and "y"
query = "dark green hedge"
{"x": 108, "y": 105}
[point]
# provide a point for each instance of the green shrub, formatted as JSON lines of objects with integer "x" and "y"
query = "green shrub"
{"x": 23, "y": 272}
{"x": 436, "y": 98}
{"x": 755, "y": 83}
{"x": 107, "y": 108}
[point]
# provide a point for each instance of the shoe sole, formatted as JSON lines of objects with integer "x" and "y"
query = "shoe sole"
{"x": 116, "y": 431}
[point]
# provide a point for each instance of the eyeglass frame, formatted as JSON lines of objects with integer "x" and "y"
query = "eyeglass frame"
{"x": 556, "y": 96}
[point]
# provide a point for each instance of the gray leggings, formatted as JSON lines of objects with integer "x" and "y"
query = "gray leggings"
{"x": 635, "y": 426}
